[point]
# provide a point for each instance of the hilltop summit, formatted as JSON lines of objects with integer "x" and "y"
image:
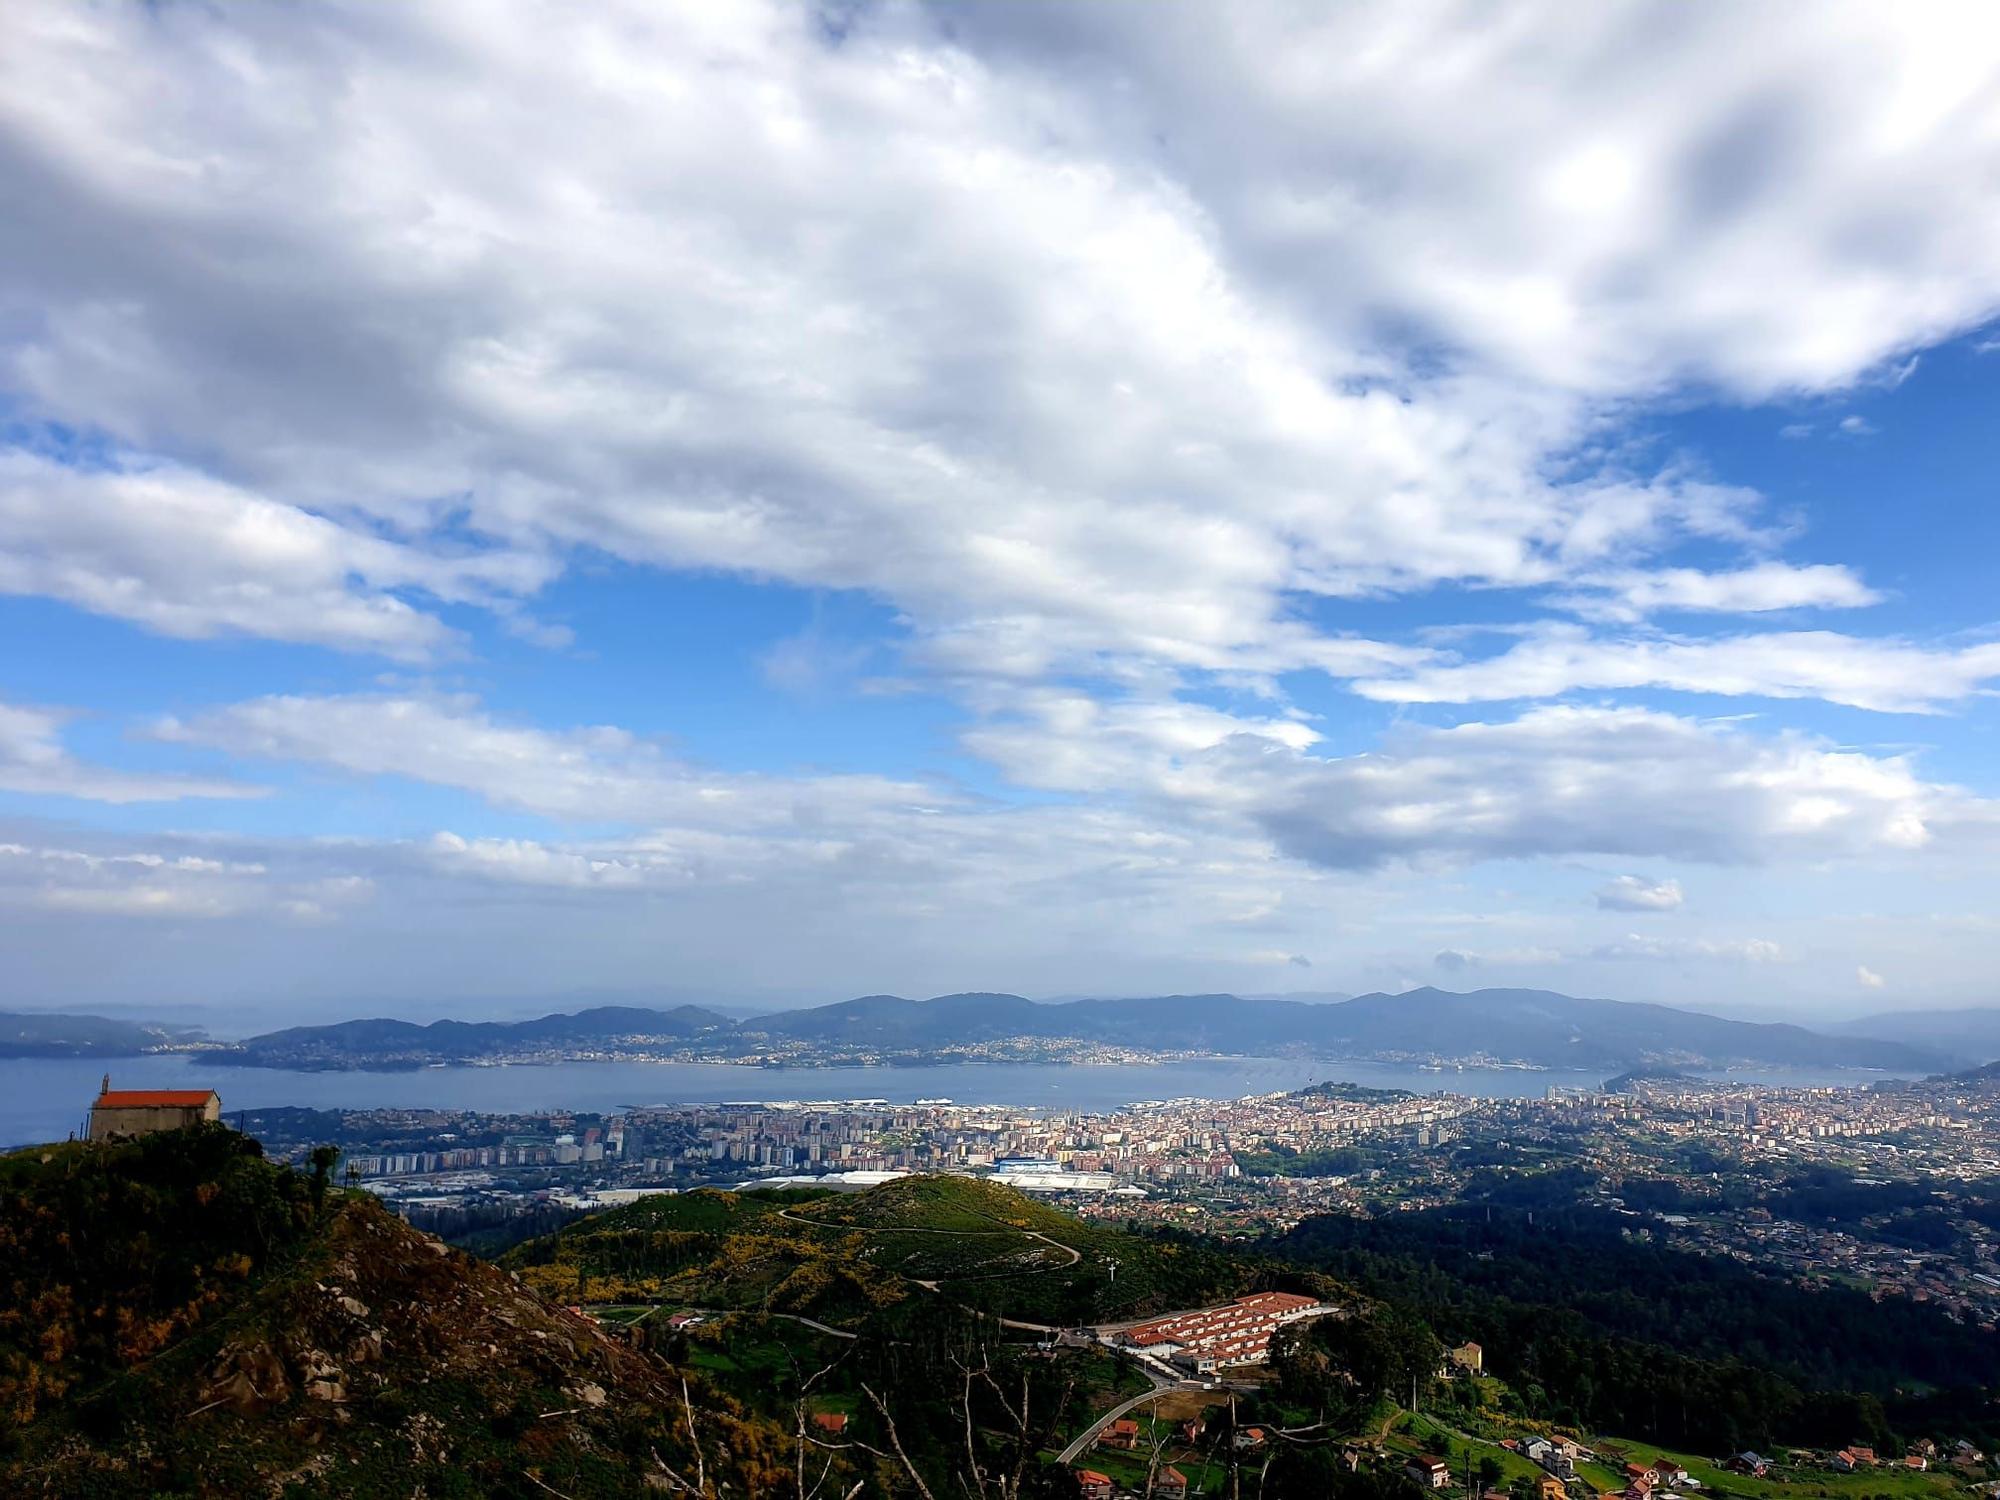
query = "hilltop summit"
{"x": 220, "y": 1325}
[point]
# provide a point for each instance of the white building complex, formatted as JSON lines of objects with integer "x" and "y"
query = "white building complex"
{"x": 1215, "y": 1338}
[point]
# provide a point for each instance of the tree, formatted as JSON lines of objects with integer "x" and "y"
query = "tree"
{"x": 322, "y": 1161}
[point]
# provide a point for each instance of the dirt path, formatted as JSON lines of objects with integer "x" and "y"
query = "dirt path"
{"x": 999, "y": 1227}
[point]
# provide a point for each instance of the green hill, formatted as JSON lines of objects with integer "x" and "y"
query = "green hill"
{"x": 940, "y": 1202}
{"x": 179, "y": 1317}
{"x": 842, "y": 1258}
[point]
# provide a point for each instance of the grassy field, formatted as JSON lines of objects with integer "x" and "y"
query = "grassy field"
{"x": 931, "y": 1202}
{"x": 1411, "y": 1433}
{"x": 1785, "y": 1483}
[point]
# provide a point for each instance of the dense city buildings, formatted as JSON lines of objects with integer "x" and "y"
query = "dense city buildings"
{"x": 1815, "y": 1183}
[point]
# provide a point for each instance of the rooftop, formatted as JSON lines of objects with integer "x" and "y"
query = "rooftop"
{"x": 153, "y": 1098}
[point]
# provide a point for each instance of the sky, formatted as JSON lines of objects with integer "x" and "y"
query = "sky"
{"x": 772, "y": 502}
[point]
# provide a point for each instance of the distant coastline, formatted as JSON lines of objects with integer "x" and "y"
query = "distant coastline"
{"x": 45, "y": 1099}
{"x": 1440, "y": 1031}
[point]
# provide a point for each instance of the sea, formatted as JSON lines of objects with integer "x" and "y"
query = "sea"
{"x": 48, "y": 1099}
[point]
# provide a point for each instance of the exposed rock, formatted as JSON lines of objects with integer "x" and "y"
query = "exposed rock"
{"x": 248, "y": 1378}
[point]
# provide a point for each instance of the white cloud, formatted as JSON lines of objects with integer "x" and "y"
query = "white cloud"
{"x": 1636, "y": 893}
{"x": 599, "y": 774}
{"x": 1885, "y": 675}
{"x": 1561, "y": 781}
{"x": 126, "y": 882}
{"x": 1650, "y": 194}
{"x": 529, "y": 863}
{"x": 1068, "y": 740}
{"x": 1733, "y": 950}
{"x": 186, "y": 555}
{"x": 33, "y": 759}
{"x": 1633, "y": 593}
{"x": 1061, "y": 370}
{"x": 1556, "y": 781}
{"x": 1868, "y": 978}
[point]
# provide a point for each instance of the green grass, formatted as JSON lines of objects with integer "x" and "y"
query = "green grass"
{"x": 1129, "y": 1470}
{"x": 1414, "y": 1433}
{"x": 940, "y": 1202}
{"x": 944, "y": 1257}
{"x": 1789, "y": 1483}
{"x": 839, "y": 1256}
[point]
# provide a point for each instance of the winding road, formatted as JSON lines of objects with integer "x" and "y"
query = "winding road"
{"x": 1089, "y": 1434}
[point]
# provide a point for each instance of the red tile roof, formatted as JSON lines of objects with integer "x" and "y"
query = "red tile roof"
{"x": 154, "y": 1098}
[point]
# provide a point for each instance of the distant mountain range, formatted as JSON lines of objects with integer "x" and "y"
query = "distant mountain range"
{"x": 38, "y": 1034}
{"x": 384, "y": 1042}
{"x": 1965, "y": 1036}
{"x": 1534, "y": 1028}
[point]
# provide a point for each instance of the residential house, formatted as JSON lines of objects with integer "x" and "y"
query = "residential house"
{"x": 1667, "y": 1472}
{"x": 833, "y": 1423}
{"x": 1746, "y": 1462}
{"x": 1122, "y": 1434}
{"x": 1169, "y": 1484}
{"x": 1431, "y": 1473}
{"x": 1249, "y": 1437}
{"x": 1552, "y": 1488}
{"x": 1552, "y": 1457}
{"x": 1092, "y": 1485}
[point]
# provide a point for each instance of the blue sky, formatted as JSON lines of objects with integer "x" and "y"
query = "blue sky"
{"x": 712, "y": 504}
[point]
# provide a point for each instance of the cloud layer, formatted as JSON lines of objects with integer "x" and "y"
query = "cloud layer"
{"x": 927, "y": 311}
{"x": 1215, "y": 401}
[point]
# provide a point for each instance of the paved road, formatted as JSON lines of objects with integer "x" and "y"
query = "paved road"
{"x": 1070, "y": 1454}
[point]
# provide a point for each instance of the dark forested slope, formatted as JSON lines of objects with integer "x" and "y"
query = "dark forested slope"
{"x": 179, "y": 1317}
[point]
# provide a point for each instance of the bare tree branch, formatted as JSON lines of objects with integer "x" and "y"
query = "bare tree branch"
{"x": 694, "y": 1441}
{"x": 897, "y": 1443}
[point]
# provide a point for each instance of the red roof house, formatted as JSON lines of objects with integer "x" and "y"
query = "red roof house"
{"x": 117, "y": 1114}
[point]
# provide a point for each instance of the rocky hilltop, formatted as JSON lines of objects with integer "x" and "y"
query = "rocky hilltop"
{"x": 229, "y": 1327}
